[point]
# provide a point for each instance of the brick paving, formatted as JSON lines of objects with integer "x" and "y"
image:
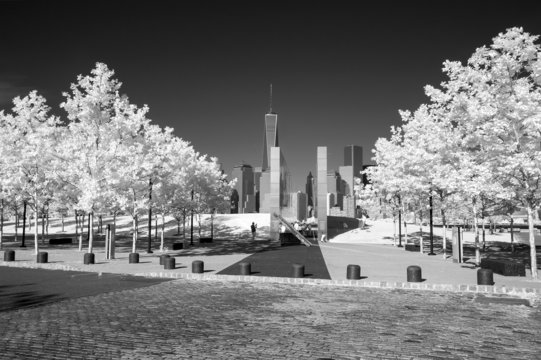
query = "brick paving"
{"x": 185, "y": 319}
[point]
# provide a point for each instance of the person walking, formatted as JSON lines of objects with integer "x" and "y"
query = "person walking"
{"x": 253, "y": 227}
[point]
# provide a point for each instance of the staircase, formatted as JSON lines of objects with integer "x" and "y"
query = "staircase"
{"x": 297, "y": 234}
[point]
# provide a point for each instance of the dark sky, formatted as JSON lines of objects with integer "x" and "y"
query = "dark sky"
{"x": 340, "y": 70}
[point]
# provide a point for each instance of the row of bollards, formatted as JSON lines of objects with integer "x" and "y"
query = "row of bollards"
{"x": 42, "y": 257}
{"x": 353, "y": 272}
{"x": 9, "y": 255}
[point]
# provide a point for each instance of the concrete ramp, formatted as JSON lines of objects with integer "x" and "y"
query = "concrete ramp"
{"x": 297, "y": 234}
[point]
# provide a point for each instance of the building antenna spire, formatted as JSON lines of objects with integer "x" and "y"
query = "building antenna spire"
{"x": 270, "y": 100}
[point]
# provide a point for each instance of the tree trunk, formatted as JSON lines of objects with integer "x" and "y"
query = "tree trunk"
{"x": 88, "y": 227}
{"x": 512, "y": 235}
{"x": 81, "y": 228}
{"x": 421, "y": 249}
{"x": 149, "y": 245}
{"x": 134, "y": 234}
{"x": 16, "y": 228}
{"x": 212, "y": 225}
{"x": 1, "y": 222}
{"x": 43, "y": 227}
{"x": 77, "y": 228}
{"x": 444, "y": 222}
{"x": 483, "y": 232}
{"x": 62, "y": 220}
{"x": 163, "y": 230}
{"x": 24, "y": 223}
{"x": 394, "y": 230}
{"x": 405, "y": 232}
{"x": 36, "y": 231}
{"x": 475, "y": 225}
{"x": 178, "y": 226}
{"x": 533, "y": 253}
{"x": 112, "y": 236}
{"x": 90, "y": 231}
{"x": 184, "y": 225}
{"x": 47, "y": 223}
{"x": 199, "y": 225}
{"x": 155, "y": 227}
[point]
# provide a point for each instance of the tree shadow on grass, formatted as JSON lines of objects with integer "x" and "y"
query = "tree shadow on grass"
{"x": 492, "y": 250}
{"x": 227, "y": 247}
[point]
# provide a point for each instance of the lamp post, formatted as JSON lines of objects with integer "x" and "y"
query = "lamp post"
{"x": 431, "y": 229}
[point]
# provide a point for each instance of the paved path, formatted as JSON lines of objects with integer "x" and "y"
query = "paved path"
{"x": 389, "y": 263}
{"x": 228, "y": 320}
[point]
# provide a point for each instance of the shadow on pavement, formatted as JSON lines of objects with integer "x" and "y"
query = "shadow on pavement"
{"x": 278, "y": 262}
{"x": 13, "y": 298}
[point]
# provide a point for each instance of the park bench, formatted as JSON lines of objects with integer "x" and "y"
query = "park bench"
{"x": 205, "y": 240}
{"x": 504, "y": 267}
{"x": 59, "y": 241}
{"x": 178, "y": 246}
{"x": 412, "y": 247}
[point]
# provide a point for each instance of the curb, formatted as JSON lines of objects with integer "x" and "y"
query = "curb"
{"x": 34, "y": 265}
{"x": 526, "y": 293}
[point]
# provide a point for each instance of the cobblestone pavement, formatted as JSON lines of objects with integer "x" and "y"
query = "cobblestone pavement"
{"x": 221, "y": 320}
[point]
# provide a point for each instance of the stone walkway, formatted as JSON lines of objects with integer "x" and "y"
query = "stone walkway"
{"x": 184, "y": 319}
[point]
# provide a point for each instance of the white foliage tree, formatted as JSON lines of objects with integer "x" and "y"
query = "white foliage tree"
{"x": 28, "y": 152}
{"x": 101, "y": 130}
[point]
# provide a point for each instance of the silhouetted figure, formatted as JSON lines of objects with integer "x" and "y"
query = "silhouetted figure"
{"x": 253, "y": 227}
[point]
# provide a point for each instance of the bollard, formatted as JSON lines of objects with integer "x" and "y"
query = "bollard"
{"x": 42, "y": 257}
{"x": 9, "y": 255}
{"x": 354, "y": 272}
{"x": 162, "y": 258}
{"x": 169, "y": 263}
{"x": 198, "y": 267}
{"x": 485, "y": 277}
{"x": 134, "y": 258}
{"x": 245, "y": 268}
{"x": 414, "y": 273}
{"x": 89, "y": 258}
{"x": 298, "y": 270}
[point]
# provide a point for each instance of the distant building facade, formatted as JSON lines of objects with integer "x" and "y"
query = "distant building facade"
{"x": 244, "y": 188}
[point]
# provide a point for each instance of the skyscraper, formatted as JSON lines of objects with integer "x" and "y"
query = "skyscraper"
{"x": 353, "y": 165}
{"x": 244, "y": 188}
{"x": 271, "y": 134}
{"x": 310, "y": 189}
{"x": 353, "y": 156}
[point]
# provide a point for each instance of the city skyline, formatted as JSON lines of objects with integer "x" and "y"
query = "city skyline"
{"x": 340, "y": 72}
